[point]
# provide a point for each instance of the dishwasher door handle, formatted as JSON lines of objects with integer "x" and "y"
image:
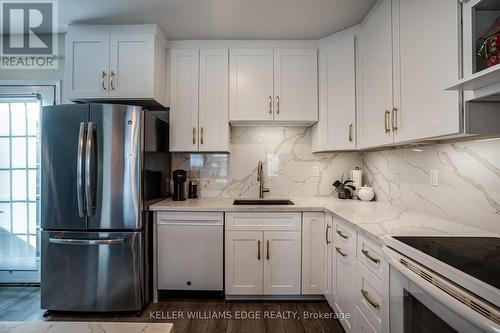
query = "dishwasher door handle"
{"x": 208, "y": 223}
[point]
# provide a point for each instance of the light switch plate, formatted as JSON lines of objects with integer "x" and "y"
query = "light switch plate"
{"x": 315, "y": 171}
{"x": 434, "y": 177}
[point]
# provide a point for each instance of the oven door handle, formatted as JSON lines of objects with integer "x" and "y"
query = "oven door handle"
{"x": 459, "y": 308}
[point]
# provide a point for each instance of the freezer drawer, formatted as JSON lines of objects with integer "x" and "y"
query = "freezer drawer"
{"x": 90, "y": 271}
{"x": 190, "y": 251}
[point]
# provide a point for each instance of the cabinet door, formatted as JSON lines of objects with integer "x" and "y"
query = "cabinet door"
{"x": 345, "y": 285}
{"x": 296, "y": 85}
{"x": 132, "y": 66}
{"x": 376, "y": 77}
{"x": 250, "y": 85}
{"x": 314, "y": 240}
{"x": 337, "y": 96}
{"x": 282, "y": 269}
{"x": 329, "y": 262}
{"x": 213, "y": 109}
{"x": 423, "y": 109}
{"x": 184, "y": 100}
{"x": 243, "y": 262}
{"x": 87, "y": 65}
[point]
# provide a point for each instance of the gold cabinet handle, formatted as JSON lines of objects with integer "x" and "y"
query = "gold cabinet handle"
{"x": 277, "y": 104}
{"x": 369, "y": 256}
{"x": 341, "y": 234}
{"x": 103, "y": 79}
{"x": 201, "y": 135}
{"x": 270, "y": 104}
{"x": 111, "y": 80}
{"x": 339, "y": 250}
{"x": 350, "y": 132}
{"x": 386, "y": 121}
{"x": 258, "y": 250}
{"x": 394, "y": 119}
{"x": 194, "y": 135}
{"x": 267, "y": 253}
{"x": 326, "y": 234}
{"x": 369, "y": 300}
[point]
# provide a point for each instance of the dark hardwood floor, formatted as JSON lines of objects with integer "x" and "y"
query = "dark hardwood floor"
{"x": 23, "y": 304}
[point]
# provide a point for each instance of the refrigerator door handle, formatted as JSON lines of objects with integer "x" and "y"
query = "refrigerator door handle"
{"x": 67, "y": 241}
{"x": 79, "y": 174}
{"x": 88, "y": 172}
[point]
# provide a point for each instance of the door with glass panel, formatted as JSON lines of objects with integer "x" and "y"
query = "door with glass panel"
{"x": 20, "y": 108}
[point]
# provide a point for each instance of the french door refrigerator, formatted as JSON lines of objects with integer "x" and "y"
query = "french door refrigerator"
{"x": 93, "y": 251}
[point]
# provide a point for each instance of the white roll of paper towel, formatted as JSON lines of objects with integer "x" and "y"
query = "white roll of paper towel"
{"x": 357, "y": 177}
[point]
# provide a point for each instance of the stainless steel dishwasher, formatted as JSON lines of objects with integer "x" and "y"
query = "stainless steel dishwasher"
{"x": 190, "y": 251}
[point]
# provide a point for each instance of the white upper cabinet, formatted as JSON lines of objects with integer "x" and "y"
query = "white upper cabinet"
{"x": 422, "y": 107}
{"x": 295, "y": 85}
{"x": 373, "y": 127}
{"x": 116, "y": 62}
{"x": 337, "y": 96}
{"x": 199, "y": 100}
{"x": 132, "y": 56}
{"x": 213, "y": 105}
{"x": 403, "y": 82}
{"x": 184, "y": 99}
{"x": 87, "y": 64}
{"x": 251, "y": 85}
{"x": 273, "y": 85}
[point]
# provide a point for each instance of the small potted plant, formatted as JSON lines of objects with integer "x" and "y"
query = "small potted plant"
{"x": 344, "y": 188}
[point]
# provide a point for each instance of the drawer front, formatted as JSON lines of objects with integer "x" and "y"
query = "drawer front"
{"x": 264, "y": 221}
{"x": 344, "y": 236}
{"x": 370, "y": 254}
{"x": 369, "y": 296}
{"x": 189, "y": 217}
{"x": 362, "y": 324}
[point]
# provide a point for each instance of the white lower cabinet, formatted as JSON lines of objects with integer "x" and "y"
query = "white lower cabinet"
{"x": 345, "y": 285}
{"x": 244, "y": 262}
{"x": 329, "y": 290}
{"x": 362, "y": 324}
{"x": 263, "y": 254}
{"x": 314, "y": 247}
{"x": 356, "y": 279}
{"x": 282, "y": 262}
{"x": 369, "y": 296}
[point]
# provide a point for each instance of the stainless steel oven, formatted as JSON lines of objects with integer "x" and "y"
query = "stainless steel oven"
{"x": 423, "y": 301}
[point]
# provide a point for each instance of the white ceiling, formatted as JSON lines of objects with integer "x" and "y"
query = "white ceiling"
{"x": 222, "y": 19}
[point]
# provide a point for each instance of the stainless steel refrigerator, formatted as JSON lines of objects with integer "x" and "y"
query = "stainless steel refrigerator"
{"x": 94, "y": 241}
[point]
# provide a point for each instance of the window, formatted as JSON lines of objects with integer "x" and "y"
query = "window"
{"x": 20, "y": 193}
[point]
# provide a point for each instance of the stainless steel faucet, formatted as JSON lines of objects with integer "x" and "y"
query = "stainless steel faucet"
{"x": 260, "y": 179}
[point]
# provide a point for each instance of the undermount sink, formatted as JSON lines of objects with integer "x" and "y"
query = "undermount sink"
{"x": 262, "y": 202}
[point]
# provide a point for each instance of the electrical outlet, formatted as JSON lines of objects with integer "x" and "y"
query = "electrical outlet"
{"x": 434, "y": 177}
{"x": 315, "y": 171}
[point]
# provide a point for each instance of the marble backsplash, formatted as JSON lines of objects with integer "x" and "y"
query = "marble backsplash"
{"x": 288, "y": 165}
{"x": 469, "y": 181}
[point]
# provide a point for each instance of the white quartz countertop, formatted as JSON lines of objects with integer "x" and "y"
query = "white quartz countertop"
{"x": 373, "y": 219}
{"x": 83, "y": 327}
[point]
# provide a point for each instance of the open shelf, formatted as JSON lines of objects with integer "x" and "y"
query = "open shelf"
{"x": 479, "y": 80}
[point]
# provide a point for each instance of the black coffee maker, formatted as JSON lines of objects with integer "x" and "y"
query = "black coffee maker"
{"x": 179, "y": 178}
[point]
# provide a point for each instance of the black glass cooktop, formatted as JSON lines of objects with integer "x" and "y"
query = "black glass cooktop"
{"x": 476, "y": 256}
